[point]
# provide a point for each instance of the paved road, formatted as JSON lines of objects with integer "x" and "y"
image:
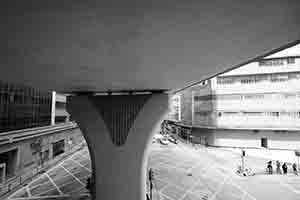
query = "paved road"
{"x": 182, "y": 172}
{"x": 67, "y": 180}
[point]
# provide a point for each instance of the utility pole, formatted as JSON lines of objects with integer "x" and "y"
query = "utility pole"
{"x": 193, "y": 108}
{"x": 243, "y": 160}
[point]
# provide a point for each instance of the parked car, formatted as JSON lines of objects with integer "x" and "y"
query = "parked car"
{"x": 172, "y": 139}
{"x": 164, "y": 141}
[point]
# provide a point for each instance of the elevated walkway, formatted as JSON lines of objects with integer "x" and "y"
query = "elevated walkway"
{"x": 19, "y": 135}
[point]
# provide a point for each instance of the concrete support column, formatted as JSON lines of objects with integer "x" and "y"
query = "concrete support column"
{"x": 118, "y": 129}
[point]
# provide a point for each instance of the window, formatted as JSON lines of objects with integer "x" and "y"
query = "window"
{"x": 274, "y": 114}
{"x": 279, "y": 77}
{"x": 230, "y": 113}
{"x": 225, "y": 80}
{"x": 230, "y": 97}
{"x": 251, "y": 79}
{"x": 252, "y": 113}
{"x": 294, "y": 75}
{"x": 271, "y": 62}
{"x": 45, "y": 156}
{"x": 276, "y": 61}
{"x": 289, "y": 96}
{"x": 290, "y": 114}
{"x": 290, "y": 60}
{"x": 254, "y": 96}
{"x": 204, "y": 98}
{"x": 58, "y": 147}
{"x": 202, "y": 113}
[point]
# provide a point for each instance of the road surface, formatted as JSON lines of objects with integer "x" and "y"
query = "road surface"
{"x": 182, "y": 172}
{"x": 66, "y": 180}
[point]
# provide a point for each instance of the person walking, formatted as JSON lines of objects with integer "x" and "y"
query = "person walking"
{"x": 278, "y": 167}
{"x": 284, "y": 168}
{"x": 88, "y": 184}
{"x": 295, "y": 169}
{"x": 270, "y": 168}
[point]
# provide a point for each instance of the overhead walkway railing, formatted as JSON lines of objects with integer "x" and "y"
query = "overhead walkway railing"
{"x": 19, "y": 135}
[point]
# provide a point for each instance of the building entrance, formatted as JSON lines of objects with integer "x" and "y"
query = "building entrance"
{"x": 8, "y": 163}
{"x": 58, "y": 147}
{"x": 264, "y": 142}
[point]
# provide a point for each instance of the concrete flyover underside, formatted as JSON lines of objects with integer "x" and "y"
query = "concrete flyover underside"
{"x": 101, "y": 45}
{"x": 117, "y": 129}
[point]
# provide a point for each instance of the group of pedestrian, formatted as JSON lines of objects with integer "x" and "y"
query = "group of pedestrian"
{"x": 284, "y": 168}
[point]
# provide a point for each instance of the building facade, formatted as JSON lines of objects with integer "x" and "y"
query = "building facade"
{"x": 59, "y": 112}
{"x": 256, "y": 105}
{"x": 23, "y": 107}
{"x": 34, "y": 133}
{"x": 25, "y": 153}
{"x": 175, "y": 108}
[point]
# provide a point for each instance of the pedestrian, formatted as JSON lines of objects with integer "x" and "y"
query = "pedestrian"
{"x": 295, "y": 169}
{"x": 278, "y": 167}
{"x": 88, "y": 184}
{"x": 284, "y": 168}
{"x": 270, "y": 168}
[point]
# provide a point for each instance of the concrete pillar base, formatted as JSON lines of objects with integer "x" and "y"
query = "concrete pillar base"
{"x": 118, "y": 129}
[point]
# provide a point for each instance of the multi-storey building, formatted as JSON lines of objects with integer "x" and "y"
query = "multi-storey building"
{"x": 27, "y": 141}
{"x": 59, "y": 113}
{"x": 175, "y": 110}
{"x": 255, "y": 105}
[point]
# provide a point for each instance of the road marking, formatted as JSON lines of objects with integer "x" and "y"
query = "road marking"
{"x": 169, "y": 184}
{"x": 220, "y": 187}
{"x": 72, "y": 175}
{"x": 189, "y": 170}
{"x": 66, "y": 183}
{"x": 80, "y": 165}
{"x": 245, "y": 193}
{"x": 242, "y": 189}
{"x": 166, "y": 196}
{"x": 289, "y": 187}
{"x": 59, "y": 191}
{"x": 27, "y": 188}
{"x": 244, "y": 196}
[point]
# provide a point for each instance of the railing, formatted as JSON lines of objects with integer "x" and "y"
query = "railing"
{"x": 19, "y": 135}
{"x": 63, "y": 197}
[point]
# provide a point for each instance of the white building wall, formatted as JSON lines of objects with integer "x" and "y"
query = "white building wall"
{"x": 260, "y": 95}
{"x": 259, "y": 87}
{"x": 175, "y": 108}
{"x": 258, "y": 104}
{"x": 279, "y": 104}
{"x": 257, "y": 122}
{"x": 248, "y": 138}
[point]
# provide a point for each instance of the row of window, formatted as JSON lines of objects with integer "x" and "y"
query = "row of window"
{"x": 247, "y": 96}
{"x": 232, "y": 114}
{"x": 272, "y": 114}
{"x": 276, "y": 62}
{"x": 250, "y": 79}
